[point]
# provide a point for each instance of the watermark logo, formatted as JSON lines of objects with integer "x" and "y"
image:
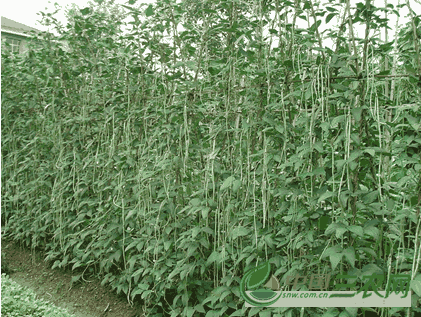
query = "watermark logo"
{"x": 258, "y": 294}
{"x": 253, "y": 280}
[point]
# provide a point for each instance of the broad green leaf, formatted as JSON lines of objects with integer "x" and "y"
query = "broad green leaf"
{"x": 188, "y": 311}
{"x": 200, "y": 308}
{"x": 205, "y": 212}
{"x": 356, "y": 113}
{"x": 370, "y": 269}
{"x": 239, "y": 312}
{"x": 340, "y": 231}
{"x": 370, "y": 151}
{"x": 236, "y": 185}
{"x": 354, "y": 154}
{"x": 335, "y": 259}
{"x": 372, "y": 231}
{"x": 390, "y": 204}
{"x": 370, "y": 197}
{"x": 213, "y": 257}
{"x": 332, "y": 250}
{"x": 76, "y": 265}
{"x": 212, "y": 313}
{"x": 330, "y": 17}
{"x": 76, "y": 278}
{"x": 358, "y": 230}
{"x": 149, "y": 11}
{"x": 227, "y": 183}
{"x": 416, "y": 285}
{"x": 336, "y": 120}
{"x": 319, "y": 147}
{"x": 352, "y": 311}
{"x": 325, "y": 196}
{"x": 415, "y": 123}
{"x": 265, "y": 313}
{"x": 85, "y": 11}
{"x": 135, "y": 292}
{"x": 195, "y": 202}
{"x": 130, "y": 213}
{"x": 368, "y": 250}
{"x": 254, "y": 311}
{"x": 239, "y": 232}
{"x": 349, "y": 254}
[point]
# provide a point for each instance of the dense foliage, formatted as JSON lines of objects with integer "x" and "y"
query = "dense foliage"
{"x": 18, "y": 301}
{"x": 211, "y": 136}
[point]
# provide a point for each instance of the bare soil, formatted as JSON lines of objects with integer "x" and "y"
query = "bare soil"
{"x": 85, "y": 299}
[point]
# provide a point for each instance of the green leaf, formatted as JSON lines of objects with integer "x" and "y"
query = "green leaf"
{"x": 319, "y": 171}
{"x": 372, "y": 231}
{"x": 339, "y": 87}
{"x": 240, "y": 312}
{"x": 318, "y": 146}
{"x": 390, "y": 204}
{"x": 227, "y": 183}
{"x": 239, "y": 232}
{"x": 330, "y": 17}
{"x": 76, "y": 278}
{"x": 335, "y": 259}
{"x": 352, "y": 311}
{"x": 332, "y": 250}
{"x": 335, "y": 121}
{"x": 85, "y": 11}
{"x": 340, "y": 231}
{"x": 188, "y": 311}
{"x": 370, "y": 197}
{"x": 205, "y": 212}
{"x": 385, "y": 72}
{"x": 135, "y": 292}
{"x": 212, "y": 313}
{"x": 263, "y": 294}
{"x": 349, "y": 254}
{"x": 369, "y": 251}
{"x": 265, "y": 313}
{"x": 130, "y": 213}
{"x": 416, "y": 285}
{"x": 356, "y": 113}
{"x": 358, "y": 230}
{"x": 195, "y": 202}
{"x": 236, "y": 185}
{"x": 354, "y": 155}
{"x": 370, "y": 269}
{"x": 213, "y": 257}
{"x": 338, "y": 228}
{"x": 200, "y": 308}
{"x": 149, "y": 11}
{"x": 76, "y": 265}
{"x": 370, "y": 151}
{"x": 254, "y": 311}
{"x": 415, "y": 123}
{"x": 167, "y": 245}
{"x": 325, "y": 196}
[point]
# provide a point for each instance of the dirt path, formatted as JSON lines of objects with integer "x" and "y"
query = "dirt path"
{"x": 83, "y": 299}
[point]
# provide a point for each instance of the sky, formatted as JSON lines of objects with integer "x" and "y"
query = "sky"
{"x": 25, "y": 11}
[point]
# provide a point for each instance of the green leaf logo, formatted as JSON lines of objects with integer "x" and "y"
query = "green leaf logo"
{"x": 252, "y": 280}
{"x": 263, "y": 294}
